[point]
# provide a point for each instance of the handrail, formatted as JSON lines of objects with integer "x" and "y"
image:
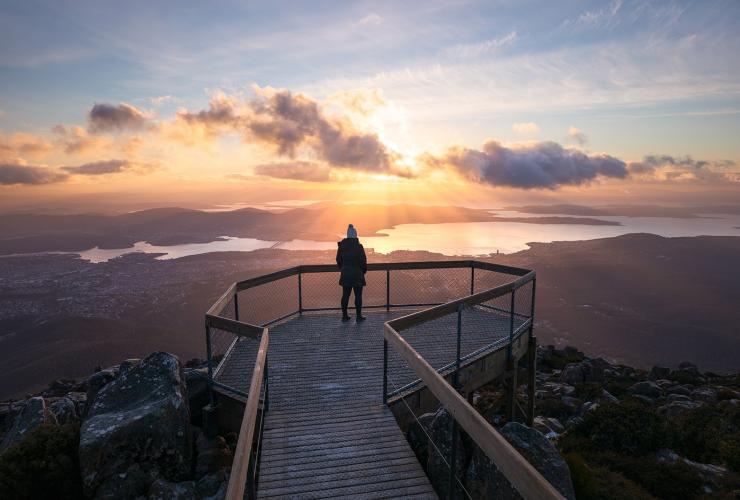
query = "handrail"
{"x": 243, "y": 452}
{"x": 518, "y": 471}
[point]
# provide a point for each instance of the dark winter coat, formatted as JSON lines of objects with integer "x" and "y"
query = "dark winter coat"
{"x": 352, "y": 262}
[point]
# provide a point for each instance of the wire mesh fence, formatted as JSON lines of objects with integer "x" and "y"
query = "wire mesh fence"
{"x": 265, "y": 303}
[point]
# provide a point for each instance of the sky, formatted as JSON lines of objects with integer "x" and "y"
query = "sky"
{"x": 495, "y": 101}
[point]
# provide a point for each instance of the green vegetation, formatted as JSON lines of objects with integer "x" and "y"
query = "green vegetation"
{"x": 42, "y": 466}
{"x": 711, "y": 434}
{"x": 612, "y": 453}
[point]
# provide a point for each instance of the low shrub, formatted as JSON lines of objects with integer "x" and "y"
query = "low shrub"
{"x": 711, "y": 434}
{"x": 44, "y": 465}
{"x": 630, "y": 427}
{"x": 600, "y": 483}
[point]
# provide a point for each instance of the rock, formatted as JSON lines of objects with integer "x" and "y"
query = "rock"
{"x": 209, "y": 484}
{"x": 679, "y": 389}
{"x": 705, "y": 394}
{"x": 690, "y": 368}
{"x": 676, "y": 397}
{"x": 573, "y": 421}
{"x": 128, "y": 365}
{"x": 658, "y": 372}
{"x": 646, "y": 388}
{"x": 572, "y": 374}
{"x": 555, "y": 425}
{"x": 593, "y": 369}
{"x": 60, "y": 387}
{"x": 197, "y": 384}
{"x": 213, "y": 455}
{"x": 437, "y": 469}
{"x": 96, "y": 382}
{"x": 541, "y": 424}
{"x": 64, "y": 410}
{"x": 486, "y": 482}
{"x": 417, "y": 437}
{"x": 164, "y": 490}
{"x": 607, "y": 397}
{"x": 572, "y": 403}
{"x": 677, "y": 408}
{"x": 33, "y": 414}
{"x": 711, "y": 474}
{"x": 137, "y": 430}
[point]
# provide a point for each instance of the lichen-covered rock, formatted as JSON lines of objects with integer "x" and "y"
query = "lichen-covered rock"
{"x": 64, "y": 410}
{"x": 677, "y": 408}
{"x": 572, "y": 374}
{"x": 485, "y": 481}
{"x": 137, "y": 431}
{"x": 165, "y": 490}
{"x": 96, "y": 382}
{"x": 705, "y": 394}
{"x": 209, "y": 484}
{"x": 34, "y": 413}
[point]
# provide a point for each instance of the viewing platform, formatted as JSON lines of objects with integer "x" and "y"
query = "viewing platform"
{"x": 323, "y": 405}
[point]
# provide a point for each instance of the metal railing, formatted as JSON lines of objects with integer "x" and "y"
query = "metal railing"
{"x": 303, "y": 289}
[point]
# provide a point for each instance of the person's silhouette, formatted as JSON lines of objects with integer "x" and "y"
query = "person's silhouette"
{"x": 352, "y": 263}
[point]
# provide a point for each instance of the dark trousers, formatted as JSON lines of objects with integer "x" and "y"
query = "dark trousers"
{"x": 346, "y": 290}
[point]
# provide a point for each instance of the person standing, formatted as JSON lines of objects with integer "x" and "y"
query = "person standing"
{"x": 352, "y": 263}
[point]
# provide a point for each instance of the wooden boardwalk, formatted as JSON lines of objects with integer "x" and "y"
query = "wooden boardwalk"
{"x": 327, "y": 432}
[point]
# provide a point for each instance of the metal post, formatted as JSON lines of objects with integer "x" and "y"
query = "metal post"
{"x": 266, "y": 405}
{"x": 531, "y": 308}
{"x": 472, "y": 279}
{"x": 457, "y": 356}
{"x": 531, "y": 377}
{"x": 511, "y": 325}
{"x": 236, "y": 306}
{"x": 300, "y": 293}
{"x": 453, "y": 459}
{"x": 385, "y": 371}
{"x": 387, "y": 289}
{"x": 209, "y": 358}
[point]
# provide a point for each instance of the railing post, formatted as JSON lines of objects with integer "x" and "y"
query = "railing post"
{"x": 385, "y": 371}
{"x": 511, "y": 325}
{"x": 209, "y": 359}
{"x": 531, "y": 308}
{"x": 455, "y": 379}
{"x": 236, "y": 306}
{"x": 266, "y": 405}
{"x": 387, "y": 290}
{"x": 300, "y": 292}
{"x": 472, "y": 278}
{"x": 453, "y": 458}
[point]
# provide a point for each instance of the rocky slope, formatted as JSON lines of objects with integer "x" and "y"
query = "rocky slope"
{"x": 126, "y": 432}
{"x": 602, "y": 431}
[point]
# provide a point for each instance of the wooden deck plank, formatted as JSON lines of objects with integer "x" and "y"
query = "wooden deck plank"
{"x": 327, "y": 433}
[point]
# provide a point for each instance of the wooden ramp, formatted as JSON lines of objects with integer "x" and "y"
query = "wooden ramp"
{"x": 327, "y": 432}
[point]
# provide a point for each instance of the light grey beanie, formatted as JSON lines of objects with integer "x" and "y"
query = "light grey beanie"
{"x": 351, "y": 231}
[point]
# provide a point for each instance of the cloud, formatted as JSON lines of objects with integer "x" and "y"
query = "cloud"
{"x": 163, "y": 99}
{"x": 525, "y": 128}
{"x": 478, "y": 49}
{"x": 296, "y": 170}
{"x": 100, "y": 167}
{"x": 110, "y": 118}
{"x": 682, "y": 168}
{"x": 11, "y": 173}
{"x": 76, "y": 140}
{"x": 576, "y": 135}
{"x": 289, "y": 123}
{"x": 21, "y": 143}
{"x": 542, "y": 165}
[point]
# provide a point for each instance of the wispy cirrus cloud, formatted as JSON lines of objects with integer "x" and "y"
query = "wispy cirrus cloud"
{"x": 296, "y": 170}
{"x": 482, "y": 48}
{"x": 100, "y": 167}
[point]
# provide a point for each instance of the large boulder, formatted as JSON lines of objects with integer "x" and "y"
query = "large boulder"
{"x": 34, "y": 413}
{"x": 485, "y": 481}
{"x": 137, "y": 430}
{"x": 438, "y": 456}
{"x": 645, "y": 388}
